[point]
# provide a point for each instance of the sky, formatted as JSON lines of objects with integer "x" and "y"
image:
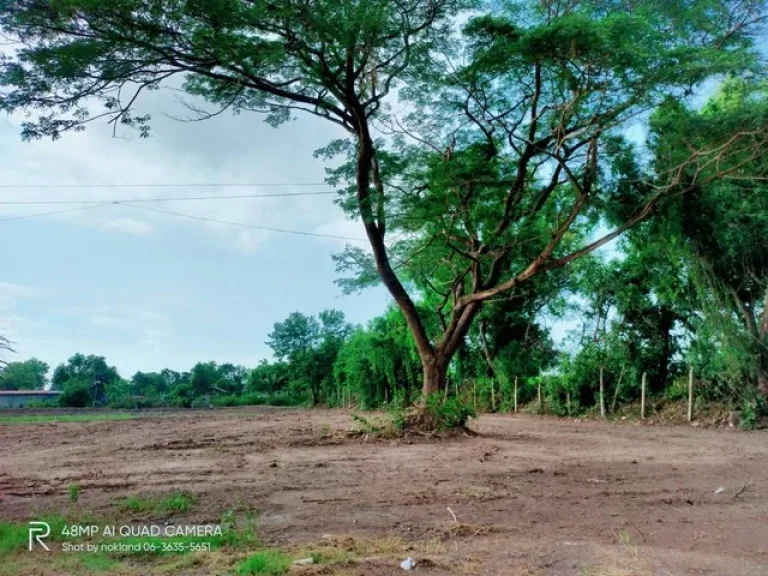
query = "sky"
{"x": 149, "y": 290}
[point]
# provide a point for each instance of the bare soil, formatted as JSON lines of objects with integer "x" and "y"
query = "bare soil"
{"x": 525, "y": 496}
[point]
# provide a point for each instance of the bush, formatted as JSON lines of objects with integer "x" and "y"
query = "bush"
{"x": 76, "y": 394}
{"x": 128, "y": 403}
{"x": 751, "y": 411}
{"x": 201, "y": 402}
{"x": 452, "y": 413}
{"x": 37, "y": 404}
{"x": 256, "y": 399}
{"x": 398, "y": 412}
{"x": 678, "y": 390}
{"x": 269, "y": 562}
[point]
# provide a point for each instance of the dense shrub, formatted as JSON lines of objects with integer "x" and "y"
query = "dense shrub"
{"x": 448, "y": 414}
{"x": 76, "y": 394}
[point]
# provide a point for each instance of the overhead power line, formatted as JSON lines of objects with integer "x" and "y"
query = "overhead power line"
{"x": 244, "y": 225}
{"x": 40, "y": 214}
{"x": 164, "y": 199}
{"x": 190, "y": 217}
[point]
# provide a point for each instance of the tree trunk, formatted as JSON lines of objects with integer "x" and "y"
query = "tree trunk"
{"x": 762, "y": 370}
{"x": 762, "y": 383}
{"x": 435, "y": 372}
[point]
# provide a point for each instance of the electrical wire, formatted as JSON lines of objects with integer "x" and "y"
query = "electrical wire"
{"x": 243, "y": 225}
{"x": 165, "y": 199}
{"x": 40, "y": 214}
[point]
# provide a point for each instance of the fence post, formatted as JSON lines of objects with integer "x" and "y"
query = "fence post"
{"x": 493, "y": 395}
{"x": 642, "y": 397}
{"x": 541, "y": 404}
{"x": 568, "y": 402}
{"x": 690, "y": 394}
{"x": 515, "y": 394}
{"x": 474, "y": 393}
{"x": 602, "y": 394}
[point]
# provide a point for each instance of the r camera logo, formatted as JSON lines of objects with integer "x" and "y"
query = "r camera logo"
{"x": 38, "y": 531}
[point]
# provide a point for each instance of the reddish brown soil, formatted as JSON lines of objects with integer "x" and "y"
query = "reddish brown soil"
{"x": 531, "y": 496}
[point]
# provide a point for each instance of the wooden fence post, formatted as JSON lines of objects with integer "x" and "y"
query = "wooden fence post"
{"x": 493, "y": 395}
{"x": 541, "y": 404}
{"x": 515, "y": 394}
{"x": 568, "y": 402}
{"x": 642, "y": 397}
{"x": 690, "y": 394}
{"x": 602, "y": 393}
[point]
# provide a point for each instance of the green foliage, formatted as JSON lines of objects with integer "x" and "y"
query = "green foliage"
{"x": 136, "y": 504}
{"x": 73, "y": 492}
{"x": 14, "y": 536}
{"x": 677, "y": 391}
{"x": 174, "y": 503}
{"x": 366, "y": 425}
{"x": 76, "y": 394}
{"x": 397, "y": 410}
{"x": 377, "y": 365}
{"x": 54, "y": 418}
{"x": 449, "y": 414}
{"x": 27, "y": 375}
{"x": 267, "y": 562}
{"x": 752, "y": 410}
{"x": 96, "y": 562}
{"x": 307, "y": 348}
{"x": 90, "y": 371}
{"x": 177, "y": 503}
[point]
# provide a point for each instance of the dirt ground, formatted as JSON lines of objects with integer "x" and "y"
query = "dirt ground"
{"x": 530, "y": 496}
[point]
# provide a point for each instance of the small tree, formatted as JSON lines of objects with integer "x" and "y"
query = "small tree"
{"x": 76, "y": 394}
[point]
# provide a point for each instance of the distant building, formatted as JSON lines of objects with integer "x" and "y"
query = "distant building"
{"x": 21, "y": 398}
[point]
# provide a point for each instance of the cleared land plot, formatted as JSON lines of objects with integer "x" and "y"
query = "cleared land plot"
{"x": 530, "y": 496}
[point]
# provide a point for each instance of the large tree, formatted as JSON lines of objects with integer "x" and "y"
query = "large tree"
{"x": 310, "y": 345}
{"x": 91, "y": 371}
{"x": 725, "y": 221}
{"x": 26, "y": 375}
{"x": 503, "y": 162}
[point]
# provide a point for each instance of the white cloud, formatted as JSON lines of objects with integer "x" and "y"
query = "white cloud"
{"x": 11, "y": 292}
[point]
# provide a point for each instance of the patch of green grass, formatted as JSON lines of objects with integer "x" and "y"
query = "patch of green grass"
{"x": 54, "y": 418}
{"x": 73, "y": 492}
{"x": 136, "y": 504}
{"x": 174, "y": 503}
{"x": 268, "y": 562}
{"x": 178, "y": 502}
{"x": 86, "y": 563}
{"x": 96, "y": 562}
{"x": 14, "y": 536}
